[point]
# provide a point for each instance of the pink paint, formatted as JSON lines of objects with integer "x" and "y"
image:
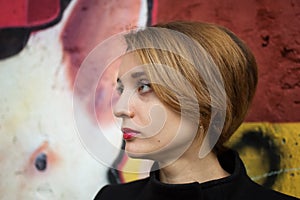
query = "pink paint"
{"x": 154, "y": 12}
{"x": 90, "y": 23}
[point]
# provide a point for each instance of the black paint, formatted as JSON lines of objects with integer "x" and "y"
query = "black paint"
{"x": 149, "y": 11}
{"x": 41, "y": 162}
{"x": 260, "y": 141}
{"x": 113, "y": 174}
{"x": 266, "y": 40}
{"x": 12, "y": 41}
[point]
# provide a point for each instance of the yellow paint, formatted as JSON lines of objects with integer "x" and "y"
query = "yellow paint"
{"x": 129, "y": 171}
{"x": 286, "y": 136}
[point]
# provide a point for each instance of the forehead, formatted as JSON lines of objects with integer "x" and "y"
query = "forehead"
{"x": 130, "y": 65}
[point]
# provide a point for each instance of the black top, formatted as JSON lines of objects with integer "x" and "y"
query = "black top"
{"x": 237, "y": 186}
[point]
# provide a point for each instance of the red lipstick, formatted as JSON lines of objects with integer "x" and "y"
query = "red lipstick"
{"x": 129, "y": 134}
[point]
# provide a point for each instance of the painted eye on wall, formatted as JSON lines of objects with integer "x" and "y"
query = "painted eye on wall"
{"x": 40, "y": 162}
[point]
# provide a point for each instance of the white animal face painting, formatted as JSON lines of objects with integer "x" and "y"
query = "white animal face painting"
{"x": 41, "y": 154}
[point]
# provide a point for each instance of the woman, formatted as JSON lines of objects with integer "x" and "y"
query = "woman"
{"x": 184, "y": 88}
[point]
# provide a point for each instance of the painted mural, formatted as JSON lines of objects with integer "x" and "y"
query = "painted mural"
{"x": 42, "y": 48}
{"x": 42, "y": 44}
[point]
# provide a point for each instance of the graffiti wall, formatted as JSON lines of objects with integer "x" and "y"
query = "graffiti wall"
{"x": 42, "y": 46}
{"x": 269, "y": 139}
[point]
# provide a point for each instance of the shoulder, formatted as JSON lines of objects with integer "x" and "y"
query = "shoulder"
{"x": 124, "y": 191}
{"x": 258, "y": 192}
{"x": 239, "y": 185}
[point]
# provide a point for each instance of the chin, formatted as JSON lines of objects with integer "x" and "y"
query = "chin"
{"x": 144, "y": 155}
{"x": 138, "y": 155}
{"x": 141, "y": 155}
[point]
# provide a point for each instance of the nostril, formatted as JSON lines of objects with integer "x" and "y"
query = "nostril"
{"x": 41, "y": 162}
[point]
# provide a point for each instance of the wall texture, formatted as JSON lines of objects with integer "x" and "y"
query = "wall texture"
{"x": 271, "y": 29}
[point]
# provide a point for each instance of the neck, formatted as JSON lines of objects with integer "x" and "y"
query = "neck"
{"x": 190, "y": 168}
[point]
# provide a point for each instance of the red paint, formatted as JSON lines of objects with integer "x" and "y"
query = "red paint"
{"x": 154, "y": 11}
{"x": 271, "y": 29}
{"x": 42, "y": 11}
{"x": 28, "y": 13}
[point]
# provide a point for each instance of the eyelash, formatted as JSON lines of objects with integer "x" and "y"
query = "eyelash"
{"x": 120, "y": 89}
{"x": 141, "y": 83}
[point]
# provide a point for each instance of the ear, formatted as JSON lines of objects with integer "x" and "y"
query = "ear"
{"x": 212, "y": 134}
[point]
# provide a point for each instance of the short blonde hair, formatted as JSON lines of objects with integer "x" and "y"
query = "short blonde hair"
{"x": 214, "y": 49}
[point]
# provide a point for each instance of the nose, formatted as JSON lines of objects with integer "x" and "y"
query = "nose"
{"x": 122, "y": 107}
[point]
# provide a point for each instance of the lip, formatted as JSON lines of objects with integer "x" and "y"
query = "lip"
{"x": 129, "y": 134}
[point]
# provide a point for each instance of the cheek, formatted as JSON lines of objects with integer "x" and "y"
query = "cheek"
{"x": 142, "y": 116}
{"x": 154, "y": 119}
{"x": 178, "y": 131}
{"x": 141, "y": 108}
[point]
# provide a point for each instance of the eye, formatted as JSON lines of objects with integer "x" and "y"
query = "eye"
{"x": 119, "y": 89}
{"x": 144, "y": 88}
{"x": 40, "y": 162}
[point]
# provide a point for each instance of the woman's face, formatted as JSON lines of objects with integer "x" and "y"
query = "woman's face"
{"x": 150, "y": 129}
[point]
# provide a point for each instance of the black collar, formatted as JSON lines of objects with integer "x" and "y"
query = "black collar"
{"x": 214, "y": 189}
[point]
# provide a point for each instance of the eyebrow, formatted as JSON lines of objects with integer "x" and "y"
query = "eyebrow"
{"x": 133, "y": 75}
{"x": 137, "y": 74}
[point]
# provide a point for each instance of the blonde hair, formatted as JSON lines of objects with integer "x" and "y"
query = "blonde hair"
{"x": 206, "y": 66}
